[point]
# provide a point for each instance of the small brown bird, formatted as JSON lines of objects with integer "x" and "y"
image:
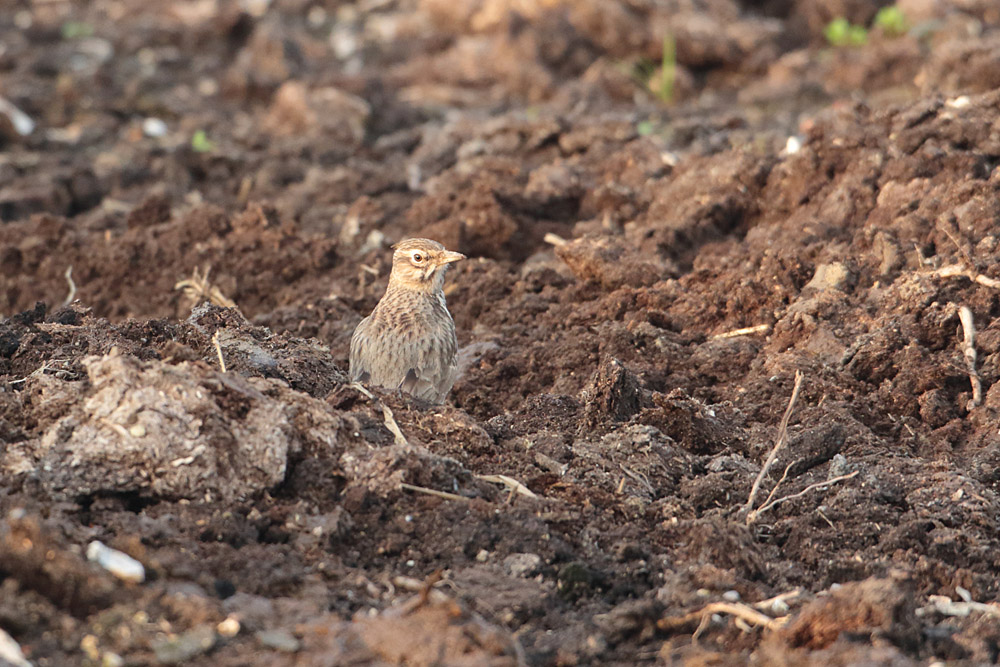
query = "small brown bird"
{"x": 408, "y": 342}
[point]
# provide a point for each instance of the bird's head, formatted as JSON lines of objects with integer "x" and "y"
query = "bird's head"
{"x": 420, "y": 264}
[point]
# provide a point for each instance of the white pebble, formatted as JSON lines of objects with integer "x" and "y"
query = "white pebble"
{"x": 22, "y": 123}
{"x": 117, "y": 563}
{"x": 229, "y": 627}
{"x": 10, "y": 651}
{"x": 23, "y": 19}
{"x": 316, "y": 16}
{"x": 154, "y": 127}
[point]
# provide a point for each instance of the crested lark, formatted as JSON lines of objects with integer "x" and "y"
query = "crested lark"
{"x": 408, "y": 342}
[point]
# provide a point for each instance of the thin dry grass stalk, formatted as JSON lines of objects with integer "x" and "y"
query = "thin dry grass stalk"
{"x": 197, "y": 289}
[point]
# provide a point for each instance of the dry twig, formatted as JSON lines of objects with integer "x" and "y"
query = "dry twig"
{"x": 387, "y": 416}
{"x": 969, "y": 350}
{"x": 779, "y": 443}
{"x": 745, "y": 331}
{"x": 218, "y": 350}
{"x": 431, "y": 492}
{"x": 515, "y": 486}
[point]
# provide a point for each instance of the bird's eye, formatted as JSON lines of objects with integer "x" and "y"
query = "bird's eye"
{"x": 417, "y": 257}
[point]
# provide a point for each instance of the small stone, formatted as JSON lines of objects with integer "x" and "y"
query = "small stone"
{"x": 522, "y": 565}
{"x": 23, "y": 19}
{"x": 830, "y": 276}
{"x": 154, "y": 127}
{"x": 181, "y": 649}
{"x": 316, "y": 17}
{"x": 229, "y": 627}
{"x": 280, "y": 640}
{"x": 838, "y": 466}
{"x": 89, "y": 646}
{"x": 117, "y": 563}
{"x": 793, "y": 145}
{"x": 10, "y": 651}
{"x": 19, "y": 121}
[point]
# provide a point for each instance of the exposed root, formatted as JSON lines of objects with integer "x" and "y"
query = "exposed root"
{"x": 942, "y": 604}
{"x": 47, "y": 365}
{"x": 737, "y": 609}
{"x": 960, "y": 270}
{"x": 812, "y": 487}
{"x": 779, "y": 601}
{"x": 554, "y": 239}
{"x": 779, "y": 443}
{"x": 72, "y": 286}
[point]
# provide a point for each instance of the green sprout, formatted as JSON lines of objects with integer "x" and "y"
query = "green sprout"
{"x": 892, "y": 21}
{"x": 644, "y": 73}
{"x": 841, "y": 32}
{"x": 645, "y": 128}
{"x": 668, "y": 69}
{"x": 76, "y": 30}
{"x": 200, "y": 142}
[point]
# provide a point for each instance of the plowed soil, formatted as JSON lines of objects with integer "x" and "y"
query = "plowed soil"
{"x": 658, "y": 250}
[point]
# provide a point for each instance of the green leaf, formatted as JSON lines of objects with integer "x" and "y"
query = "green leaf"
{"x": 892, "y": 21}
{"x": 841, "y": 32}
{"x": 836, "y": 31}
{"x": 76, "y": 30}
{"x": 200, "y": 142}
{"x": 857, "y": 36}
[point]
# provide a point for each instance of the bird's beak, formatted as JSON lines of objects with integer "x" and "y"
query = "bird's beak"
{"x": 447, "y": 257}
